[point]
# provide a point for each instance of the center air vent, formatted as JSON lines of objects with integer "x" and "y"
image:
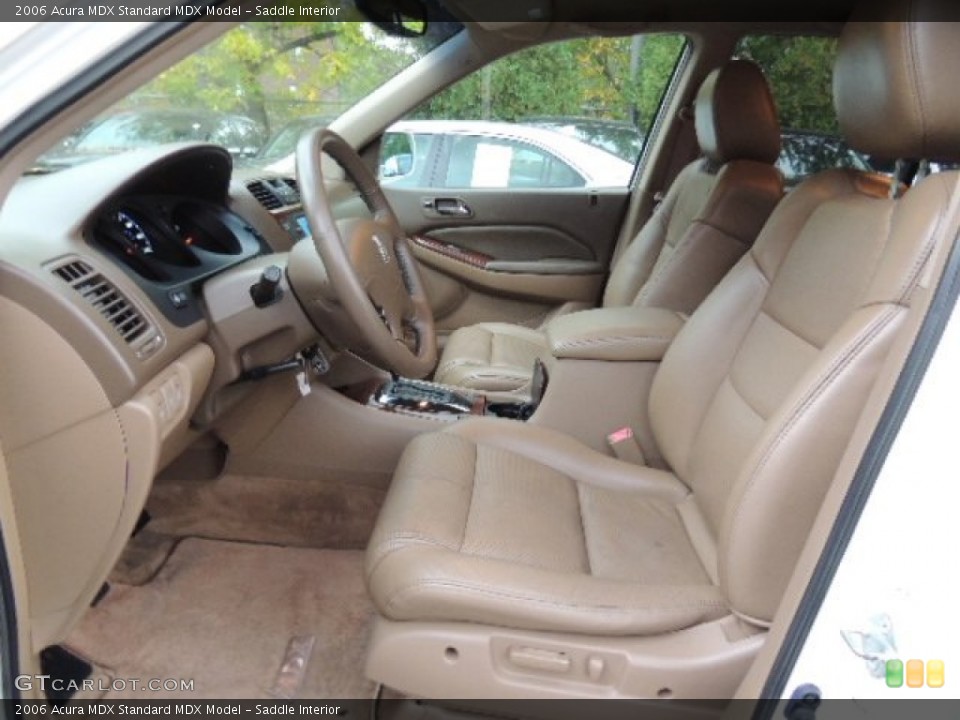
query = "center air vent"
{"x": 275, "y": 193}
{"x": 294, "y": 190}
{"x": 113, "y": 305}
{"x": 264, "y": 195}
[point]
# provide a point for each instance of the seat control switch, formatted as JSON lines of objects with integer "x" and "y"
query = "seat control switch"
{"x": 528, "y": 658}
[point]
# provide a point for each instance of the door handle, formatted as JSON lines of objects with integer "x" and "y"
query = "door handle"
{"x": 448, "y": 206}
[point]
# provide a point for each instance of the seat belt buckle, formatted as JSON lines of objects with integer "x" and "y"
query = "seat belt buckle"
{"x": 625, "y": 446}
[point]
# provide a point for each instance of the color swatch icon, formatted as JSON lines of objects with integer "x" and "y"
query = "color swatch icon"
{"x": 894, "y": 673}
{"x": 913, "y": 673}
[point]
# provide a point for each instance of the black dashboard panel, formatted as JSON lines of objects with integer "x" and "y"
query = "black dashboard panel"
{"x": 169, "y": 244}
{"x": 168, "y": 227}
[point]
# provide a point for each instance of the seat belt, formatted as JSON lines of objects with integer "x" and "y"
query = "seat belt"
{"x": 625, "y": 446}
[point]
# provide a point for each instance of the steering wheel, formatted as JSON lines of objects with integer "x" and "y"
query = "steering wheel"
{"x": 369, "y": 262}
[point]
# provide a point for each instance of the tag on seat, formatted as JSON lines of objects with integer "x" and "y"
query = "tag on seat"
{"x": 625, "y": 446}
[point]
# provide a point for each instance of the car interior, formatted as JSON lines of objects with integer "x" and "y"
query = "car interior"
{"x": 545, "y": 443}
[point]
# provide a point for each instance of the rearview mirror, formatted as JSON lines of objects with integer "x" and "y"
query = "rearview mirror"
{"x": 401, "y": 18}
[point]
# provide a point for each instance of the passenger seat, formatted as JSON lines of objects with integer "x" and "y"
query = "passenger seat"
{"x": 708, "y": 220}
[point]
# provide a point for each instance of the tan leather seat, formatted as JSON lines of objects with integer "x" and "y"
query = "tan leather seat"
{"x": 507, "y": 525}
{"x": 711, "y": 215}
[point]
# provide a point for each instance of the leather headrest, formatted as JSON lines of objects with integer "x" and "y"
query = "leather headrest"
{"x": 895, "y": 84}
{"x": 735, "y": 114}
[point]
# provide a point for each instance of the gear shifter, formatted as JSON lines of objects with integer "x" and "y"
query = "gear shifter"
{"x": 423, "y": 397}
{"x": 538, "y": 385}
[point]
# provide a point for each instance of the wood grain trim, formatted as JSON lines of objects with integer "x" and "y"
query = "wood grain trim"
{"x": 454, "y": 252}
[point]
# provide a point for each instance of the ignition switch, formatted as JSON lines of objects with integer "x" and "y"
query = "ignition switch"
{"x": 267, "y": 290}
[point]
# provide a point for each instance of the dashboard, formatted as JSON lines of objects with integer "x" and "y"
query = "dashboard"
{"x": 127, "y": 314}
{"x": 116, "y": 254}
{"x": 170, "y": 244}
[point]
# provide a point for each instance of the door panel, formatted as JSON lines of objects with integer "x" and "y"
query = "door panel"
{"x": 517, "y": 255}
{"x": 552, "y": 287}
{"x": 520, "y": 224}
{"x": 516, "y": 243}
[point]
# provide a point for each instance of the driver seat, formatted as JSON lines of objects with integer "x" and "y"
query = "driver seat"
{"x": 510, "y": 559}
{"x": 711, "y": 215}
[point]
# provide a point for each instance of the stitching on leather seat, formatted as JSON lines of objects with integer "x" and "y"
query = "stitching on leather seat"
{"x": 825, "y": 381}
{"x": 610, "y": 341}
{"x": 593, "y": 609}
{"x": 583, "y": 525}
{"x": 473, "y": 492}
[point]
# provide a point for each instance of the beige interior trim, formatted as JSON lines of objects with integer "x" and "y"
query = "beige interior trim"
{"x": 589, "y": 399}
{"x": 550, "y": 288}
{"x": 700, "y": 537}
{"x": 27, "y": 660}
{"x": 327, "y": 434}
{"x": 633, "y": 334}
{"x": 245, "y": 336}
{"x": 173, "y": 396}
{"x": 459, "y": 660}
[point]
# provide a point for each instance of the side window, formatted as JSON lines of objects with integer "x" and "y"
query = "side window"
{"x": 477, "y": 161}
{"x": 404, "y": 158}
{"x": 800, "y": 70}
{"x": 571, "y": 114}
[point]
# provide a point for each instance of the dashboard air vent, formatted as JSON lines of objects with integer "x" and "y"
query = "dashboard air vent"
{"x": 264, "y": 195}
{"x": 104, "y": 296}
{"x": 292, "y": 184}
{"x": 275, "y": 193}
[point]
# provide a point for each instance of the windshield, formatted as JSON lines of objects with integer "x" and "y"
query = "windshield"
{"x": 254, "y": 91}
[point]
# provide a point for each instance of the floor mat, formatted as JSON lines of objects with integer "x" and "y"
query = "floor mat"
{"x": 223, "y": 615}
{"x": 279, "y": 511}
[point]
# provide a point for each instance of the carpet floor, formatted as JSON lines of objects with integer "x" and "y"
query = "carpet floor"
{"x": 278, "y": 511}
{"x": 224, "y": 614}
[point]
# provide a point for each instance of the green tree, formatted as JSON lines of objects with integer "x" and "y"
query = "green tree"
{"x": 800, "y": 71}
{"x": 277, "y": 71}
{"x": 619, "y": 79}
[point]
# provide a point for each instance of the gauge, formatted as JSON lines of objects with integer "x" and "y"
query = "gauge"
{"x": 134, "y": 237}
{"x": 200, "y": 226}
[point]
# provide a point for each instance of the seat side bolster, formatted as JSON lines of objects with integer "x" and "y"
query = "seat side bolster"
{"x": 560, "y": 452}
{"x": 767, "y": 521}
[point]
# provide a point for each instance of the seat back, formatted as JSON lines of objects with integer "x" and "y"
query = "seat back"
{"x": 757, "y": 398}
{"x": 716, "y": 206}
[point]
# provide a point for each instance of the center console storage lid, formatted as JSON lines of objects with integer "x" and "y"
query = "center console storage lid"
{"x": 632, "y": 334}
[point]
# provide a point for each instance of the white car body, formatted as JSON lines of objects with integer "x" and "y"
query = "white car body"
{"x": 598, "y": 168}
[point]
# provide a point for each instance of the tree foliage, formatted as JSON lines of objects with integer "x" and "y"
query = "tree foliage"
{"x": 277, "y": 71}
{"x": 580, "y": 78}
{"x": 800, "y": 71}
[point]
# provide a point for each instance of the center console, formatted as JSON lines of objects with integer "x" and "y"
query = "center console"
{"x": 425, "y": 398}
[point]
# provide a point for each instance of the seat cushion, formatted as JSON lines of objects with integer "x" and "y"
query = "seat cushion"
{"x": 497, "y": 522}
{"x": 494, "y": 357}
